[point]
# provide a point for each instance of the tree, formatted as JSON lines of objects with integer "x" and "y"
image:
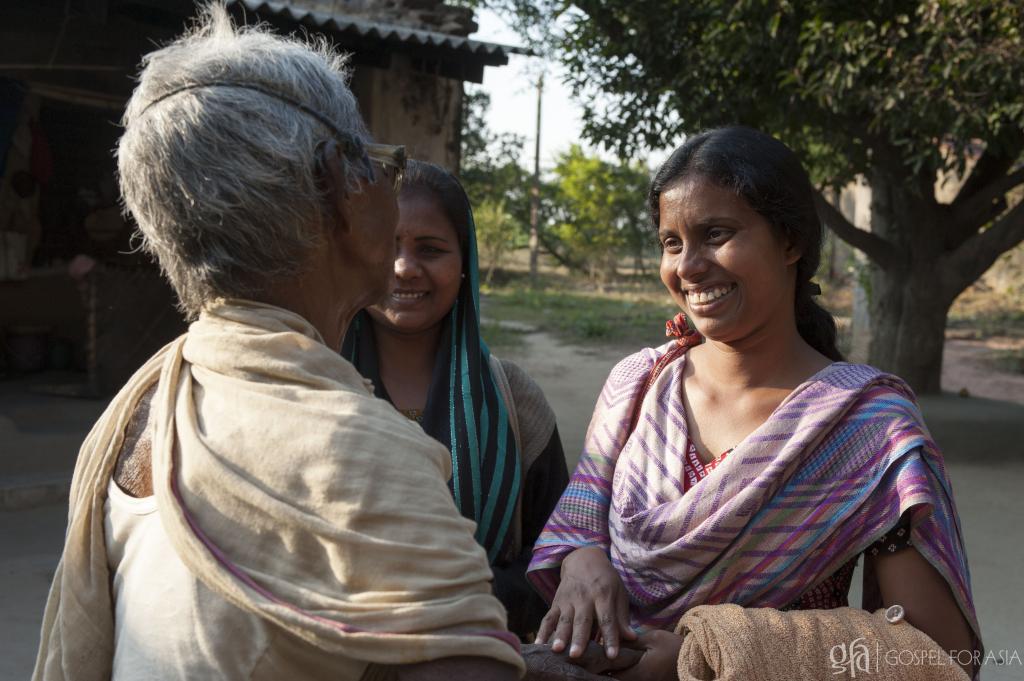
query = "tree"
{"x": 497, "y": 186}
{"x": 495, "y": 232}
{"x": 490, "y": 161}
{"x": 599, "y": 209}
{"x": 491, "y": 173}
{"x": 898, "y": 91}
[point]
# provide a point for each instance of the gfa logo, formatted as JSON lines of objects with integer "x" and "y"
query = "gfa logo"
{"x": 853, "y": 658}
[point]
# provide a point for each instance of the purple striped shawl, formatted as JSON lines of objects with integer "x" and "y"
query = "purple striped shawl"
{"x": 825, "y": 476}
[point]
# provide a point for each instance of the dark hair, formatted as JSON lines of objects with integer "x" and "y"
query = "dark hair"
{"x": 770, "y": 178}
{"x": 429, "y": 179}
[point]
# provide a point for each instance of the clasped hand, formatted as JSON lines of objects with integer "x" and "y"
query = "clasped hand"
{"x": 592, "y": 599}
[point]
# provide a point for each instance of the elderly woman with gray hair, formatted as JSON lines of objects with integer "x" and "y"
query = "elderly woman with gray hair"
{"x": 246, "y": 508}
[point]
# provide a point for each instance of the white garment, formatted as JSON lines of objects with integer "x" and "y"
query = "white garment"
{"x": 162, "y": 613}
{"x": 159, "y": 604}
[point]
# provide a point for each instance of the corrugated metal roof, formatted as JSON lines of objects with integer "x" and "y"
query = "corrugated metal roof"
{"x": 491, "y": 54}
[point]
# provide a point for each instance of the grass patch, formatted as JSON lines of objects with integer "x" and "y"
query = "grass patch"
{"x": 631, "y": 312}
{"x": 979, "y": 324}
{"x": 501, "y": 337}
{"x": 980, "y": 312}
{"x": 582, "y": 317}
{"x": 1009, "y": 361}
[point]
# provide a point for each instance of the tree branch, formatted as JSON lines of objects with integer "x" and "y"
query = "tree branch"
{"x": 981, "y": 198}
{"x": 564, "y": 260}
{"x": 979, "y": 252}
{"x": 995, "y": 161}
{"x": 972, "y": 213}
{"x": 874, "y": 246}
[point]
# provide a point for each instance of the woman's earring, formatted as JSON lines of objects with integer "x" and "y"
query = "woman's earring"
{"x": 463, "y": 275}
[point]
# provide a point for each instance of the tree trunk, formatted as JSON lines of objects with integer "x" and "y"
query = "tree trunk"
{"x": 923, "y": 255}
{"x": 638, "y": 262}
{"x": 910, "y": 298}
{"x": 908, "y": 327}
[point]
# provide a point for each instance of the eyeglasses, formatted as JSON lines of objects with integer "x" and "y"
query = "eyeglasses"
{"x": 391, "y": 159}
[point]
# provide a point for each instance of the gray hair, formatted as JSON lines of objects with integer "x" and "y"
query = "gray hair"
{"x": 222, "y": 180}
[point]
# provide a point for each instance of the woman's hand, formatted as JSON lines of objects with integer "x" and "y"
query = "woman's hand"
{"x": 590, "y": 591}
{"x": 660, "y": 660}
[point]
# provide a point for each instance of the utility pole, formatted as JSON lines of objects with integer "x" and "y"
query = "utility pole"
{"x": 535, "y": 192}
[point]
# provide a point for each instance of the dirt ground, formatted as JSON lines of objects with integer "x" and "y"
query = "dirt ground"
{"x": 967, "y": 364}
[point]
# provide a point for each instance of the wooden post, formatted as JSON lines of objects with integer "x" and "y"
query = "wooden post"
{"x": 535, "y": 192}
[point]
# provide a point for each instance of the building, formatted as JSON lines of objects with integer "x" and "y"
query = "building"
{"x": 73, "y": 294}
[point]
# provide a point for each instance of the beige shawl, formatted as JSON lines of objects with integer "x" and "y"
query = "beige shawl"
{"x": 733, "y": 643}
{"x": 291, "y": 491}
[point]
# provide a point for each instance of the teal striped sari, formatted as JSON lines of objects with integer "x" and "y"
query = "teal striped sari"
{"x": 464, "y": 411}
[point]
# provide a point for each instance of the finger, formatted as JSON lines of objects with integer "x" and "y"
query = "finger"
{"x": 563, "y": 631}
{"x": 622, "y": 608}
{"x": 582, "y": 628}
{"x": 626, "y": 658}
{"x": 607, "y": 624}
{"x": 547, "y": 625}
{"x": 593, "y": 659}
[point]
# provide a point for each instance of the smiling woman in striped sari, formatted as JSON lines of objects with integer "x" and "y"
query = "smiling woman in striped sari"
{"x": 744, "y": 462}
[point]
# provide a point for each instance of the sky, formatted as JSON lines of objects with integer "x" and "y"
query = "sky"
{"x": 514, "y": 96}
{"x": 513, "y": 90}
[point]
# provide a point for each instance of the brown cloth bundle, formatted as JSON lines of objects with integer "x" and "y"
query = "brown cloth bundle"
{"x": 731, "y": 643}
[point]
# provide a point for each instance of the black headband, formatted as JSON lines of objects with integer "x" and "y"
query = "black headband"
{"x": 350, "y": 141}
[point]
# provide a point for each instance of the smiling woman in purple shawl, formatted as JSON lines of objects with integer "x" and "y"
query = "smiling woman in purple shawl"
{"x": 744, "y": 462}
